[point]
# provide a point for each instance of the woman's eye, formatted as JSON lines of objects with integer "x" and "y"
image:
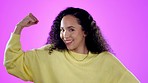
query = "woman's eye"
{"x": 71, "y": 29}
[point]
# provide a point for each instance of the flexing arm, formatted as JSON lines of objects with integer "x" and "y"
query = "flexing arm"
{"x": 16, "y": 61}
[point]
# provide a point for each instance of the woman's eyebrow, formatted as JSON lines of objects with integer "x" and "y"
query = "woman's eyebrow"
{"x": 67, "y": 27}
{"x": 70, "y": 27}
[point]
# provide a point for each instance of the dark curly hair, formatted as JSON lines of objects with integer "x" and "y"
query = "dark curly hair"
{"x": 94, "y": 39}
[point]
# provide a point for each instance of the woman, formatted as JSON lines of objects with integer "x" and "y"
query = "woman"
{"x": 75, "y": 52}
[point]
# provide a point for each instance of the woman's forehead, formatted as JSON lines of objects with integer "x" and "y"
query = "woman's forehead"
{"x": 69, "y": 21}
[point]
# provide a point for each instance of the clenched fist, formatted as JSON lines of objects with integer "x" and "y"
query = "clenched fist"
{"x": 26, "y": 22}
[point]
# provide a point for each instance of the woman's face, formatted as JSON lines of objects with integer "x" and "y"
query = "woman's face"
{"x": 72, "y": 34}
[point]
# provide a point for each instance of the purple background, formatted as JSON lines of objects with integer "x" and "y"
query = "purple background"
{"x": 124, "y": 24}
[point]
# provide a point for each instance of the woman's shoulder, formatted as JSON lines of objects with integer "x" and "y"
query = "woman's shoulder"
{"x": 111, "y": 58}
{"x": 106, "y": 54}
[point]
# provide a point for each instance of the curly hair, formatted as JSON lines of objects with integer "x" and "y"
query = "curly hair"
{"x": 94, "y": 39}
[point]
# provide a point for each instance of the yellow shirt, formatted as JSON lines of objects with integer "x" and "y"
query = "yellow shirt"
{"x": 63, "y": 66}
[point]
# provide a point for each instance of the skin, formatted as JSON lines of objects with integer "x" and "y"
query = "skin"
{"x": 73, "y": 35}
{"x": 29, "y": 20}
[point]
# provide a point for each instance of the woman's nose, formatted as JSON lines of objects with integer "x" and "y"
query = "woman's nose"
{"x": 66, "y": 34}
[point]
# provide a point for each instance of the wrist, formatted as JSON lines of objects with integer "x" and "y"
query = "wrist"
{"x": 19, "y": 26}
{"x": 18, "y": 29}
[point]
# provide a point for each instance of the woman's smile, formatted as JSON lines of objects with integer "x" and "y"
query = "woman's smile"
{"x": 68, "y": 42}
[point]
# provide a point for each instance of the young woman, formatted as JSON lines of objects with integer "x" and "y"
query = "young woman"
{"x": 75, "y": 52}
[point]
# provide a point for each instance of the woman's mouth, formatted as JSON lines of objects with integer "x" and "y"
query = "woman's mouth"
{"x": 67, "y": 42}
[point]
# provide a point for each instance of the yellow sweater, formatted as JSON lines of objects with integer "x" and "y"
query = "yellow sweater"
{"x": 63, "y": 66}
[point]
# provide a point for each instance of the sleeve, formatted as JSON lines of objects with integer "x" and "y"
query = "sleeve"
{"x": 122, "y": 74}
{"x": 16, "y": 61}
{"x": 128, "y": 77}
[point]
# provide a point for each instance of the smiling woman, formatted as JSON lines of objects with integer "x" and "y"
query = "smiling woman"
{"x": 75, "y": 52}
{"x": 73, "y": 35}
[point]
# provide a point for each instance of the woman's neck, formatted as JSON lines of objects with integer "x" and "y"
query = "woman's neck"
{"x": 83, "y": 50}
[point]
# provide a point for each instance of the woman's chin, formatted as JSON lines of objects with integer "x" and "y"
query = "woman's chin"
{"x": 69, "y": 48}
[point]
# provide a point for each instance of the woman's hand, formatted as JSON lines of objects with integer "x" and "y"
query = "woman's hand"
{"x": 26, "y": 22}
